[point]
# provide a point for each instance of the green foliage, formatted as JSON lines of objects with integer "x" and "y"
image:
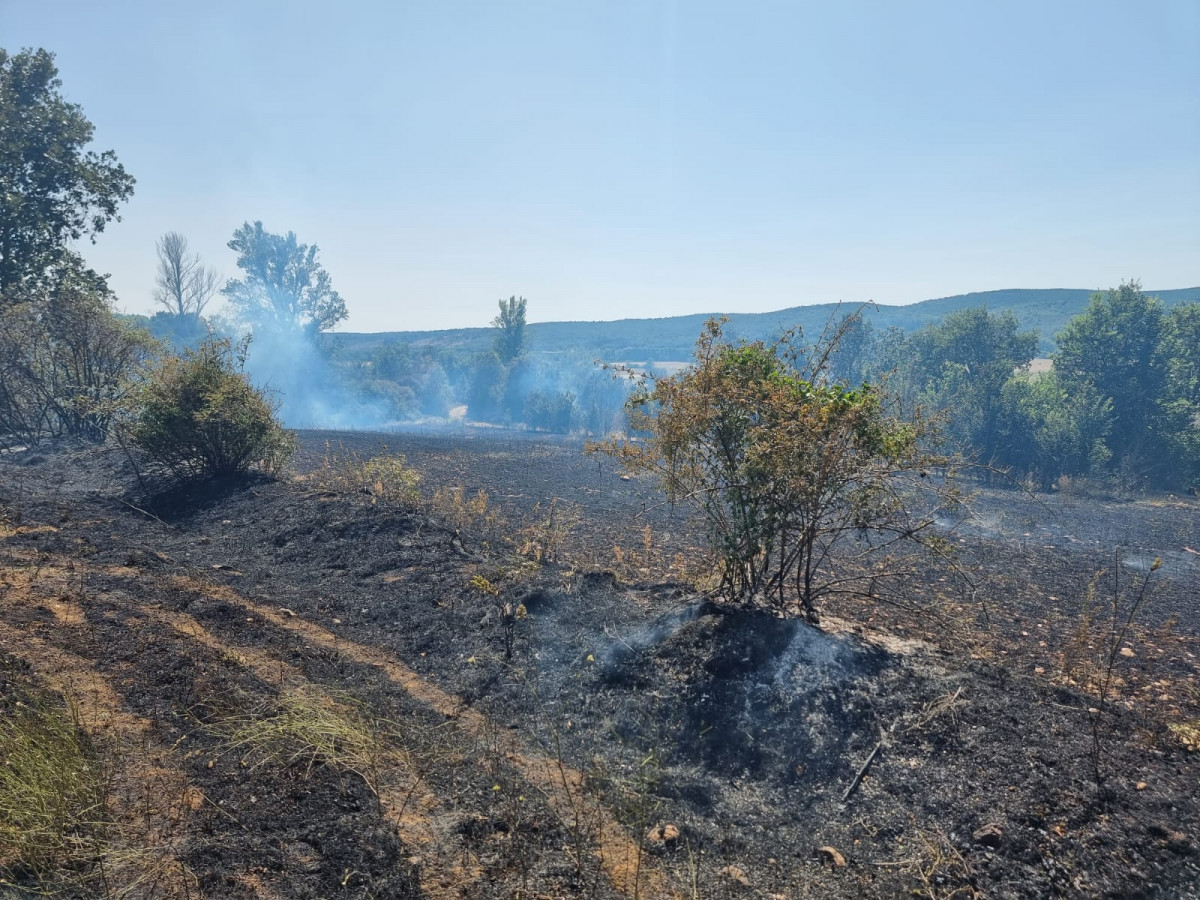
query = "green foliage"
{"x": 284, "y": 288}
{"x": 200, "y": 417}
{"x": 510, "y": 329}
{"x": 1050, "y": 432}
{"x": 961, "y": 365}
{"x": 550, "y": 411}
{"x": 809, "y": 487}
{"x": 485, "y": 400}
{"x": 52, "y": 190}
{"x": 1113, "y": 348}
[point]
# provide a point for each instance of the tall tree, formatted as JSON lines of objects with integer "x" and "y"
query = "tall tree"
{"x": 285, "y": 289}
{"x": 1114, "y": 347}
{"x": 510, "y": 329}
{"x": 1179, "y": 354}
{"x": 184, "y": 285}
{"x": 52, "y": 189}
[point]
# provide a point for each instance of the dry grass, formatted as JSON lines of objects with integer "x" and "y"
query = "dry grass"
{"x": 52, "y": 790}
{"x": 386, "y": 477}
{"x": 307, "y": 726}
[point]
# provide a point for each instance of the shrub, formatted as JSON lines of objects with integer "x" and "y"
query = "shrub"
{"x": 201, "y": 418}
{"x": 810, "y": 488}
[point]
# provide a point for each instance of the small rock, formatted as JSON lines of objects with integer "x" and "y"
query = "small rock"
{"x": 832, "y": 856}
{"x": 1141, "y": 785}
{"x": 735, "y": 875}
{"x": 1127, "y": 651}
{"x": 990, "y": 835}
{"x": 664, "y": 833}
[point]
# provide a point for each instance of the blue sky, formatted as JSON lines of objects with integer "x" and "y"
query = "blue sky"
{"x": 646, "y": 158}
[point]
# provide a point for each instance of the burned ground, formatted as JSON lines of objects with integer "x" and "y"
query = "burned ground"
{"x": 641, "y": 740}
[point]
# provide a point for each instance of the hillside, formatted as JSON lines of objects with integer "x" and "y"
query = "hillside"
{"x": 671, "y": 338}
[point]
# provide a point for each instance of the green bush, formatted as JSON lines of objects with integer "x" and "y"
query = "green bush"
{"x": 201, "y": 418}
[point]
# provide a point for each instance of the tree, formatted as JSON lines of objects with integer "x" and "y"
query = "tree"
{"x": 962, "y": 364}
{"x": 285, "y": 289}
{"x": 485, "y": 394}
{"x": 1114, "y": 347}
{"x": 66, "y": 361}
{"x": 1179, "y": 355}
{"x": 510, "y": 329}
{"x": 52, "y": 190}
{"x": 810, "y": 488}
{"x": 184, "y": 285}
{"x": 1049, "y": 432}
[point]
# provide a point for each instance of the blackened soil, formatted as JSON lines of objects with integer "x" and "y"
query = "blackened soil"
{"x": 749, "y": 735}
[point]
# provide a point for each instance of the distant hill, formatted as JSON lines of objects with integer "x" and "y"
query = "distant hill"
{"x": 672, "y": 338}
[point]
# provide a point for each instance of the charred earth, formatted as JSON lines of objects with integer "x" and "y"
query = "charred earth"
{"x": 306, "y": 692}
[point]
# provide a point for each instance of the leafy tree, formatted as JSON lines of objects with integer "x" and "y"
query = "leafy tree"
{"x": 550, "y": 410}
{"x": 1049, "y": 431}
{"x": 1179, "y": 355}
{"x": 183, "y": 285}
{"x": 510, "y": 329}
{"x": 810, "y": 488}
{"x": 200, "y": 417}
{"x": 52, "y": 189}
{"x": 962, "y": 364}
{"x": 1113, "y": 347}
{"x": 284, "y": 288}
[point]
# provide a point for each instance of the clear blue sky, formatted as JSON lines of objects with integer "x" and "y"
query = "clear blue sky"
{"x": 609, "y": 159}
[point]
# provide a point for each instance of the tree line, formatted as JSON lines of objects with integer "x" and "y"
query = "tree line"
{"x": 1120, "y": 399}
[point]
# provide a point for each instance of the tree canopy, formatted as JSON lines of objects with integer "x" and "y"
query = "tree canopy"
{"x": 510, "y": 329}
{"x": 1114, "y": 347}
{"x": 52, "y": 189}
{"x": 284, "y": 288}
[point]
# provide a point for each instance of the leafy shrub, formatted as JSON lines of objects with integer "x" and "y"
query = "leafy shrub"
{"x": 67, "y": 363}
{"x": 201, "y": 418}
{"x": 810, "y": 488}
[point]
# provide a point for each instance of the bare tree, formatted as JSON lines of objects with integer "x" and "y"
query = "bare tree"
{"x": 183, "y": 285}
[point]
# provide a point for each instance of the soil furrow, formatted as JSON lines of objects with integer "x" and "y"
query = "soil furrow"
{"x": 447, "y": 870}
{"x": 628, "y": 869}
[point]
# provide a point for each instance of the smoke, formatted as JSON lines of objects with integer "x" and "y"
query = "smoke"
{"x": 312, "y": 392}
{"x": 320, "y": 382}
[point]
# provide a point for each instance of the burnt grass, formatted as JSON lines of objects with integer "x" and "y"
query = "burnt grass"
{"x": 729, "y": 745}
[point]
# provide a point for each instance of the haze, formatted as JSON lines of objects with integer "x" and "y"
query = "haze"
{"x": 613, "y": 159}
